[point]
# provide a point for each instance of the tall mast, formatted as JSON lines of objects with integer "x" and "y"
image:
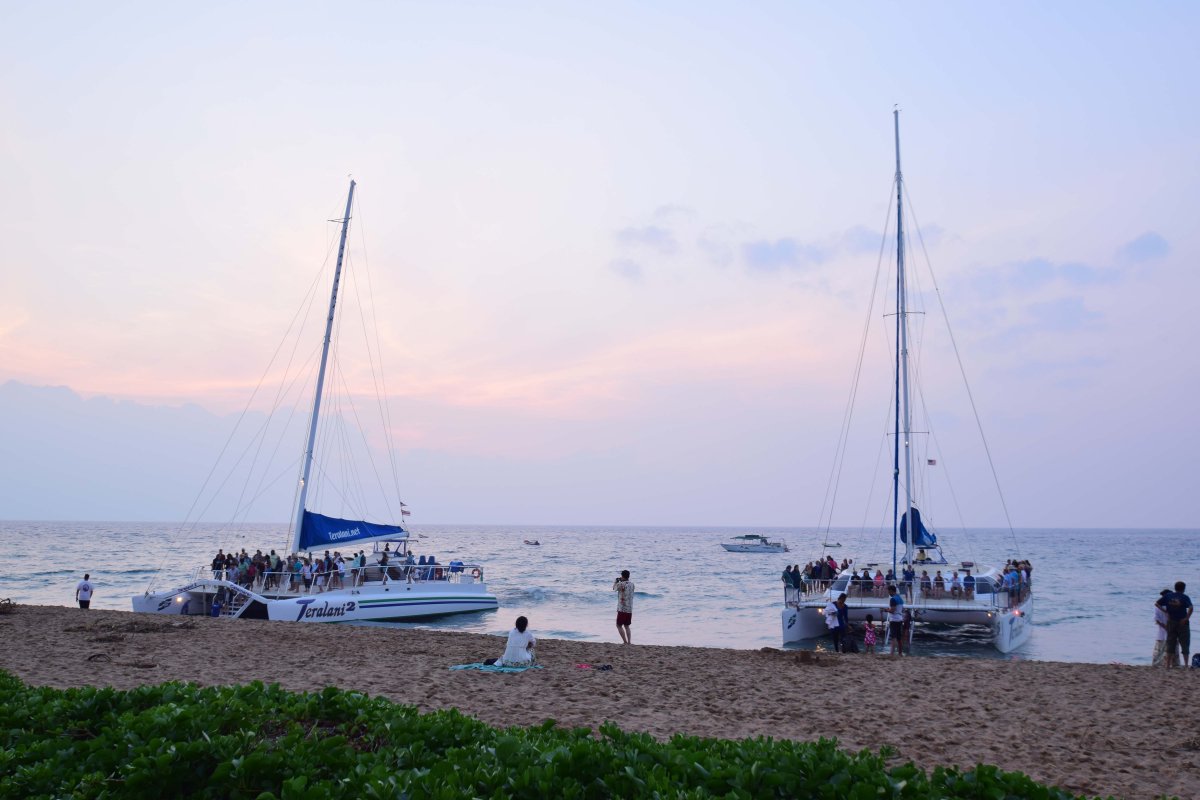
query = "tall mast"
{"x": 312, "y": 428}
{"x": 902, "y": 344}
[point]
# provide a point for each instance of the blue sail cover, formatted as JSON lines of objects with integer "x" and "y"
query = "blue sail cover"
{"x": 319, "y": 530}
{"x": 923, "y": 537}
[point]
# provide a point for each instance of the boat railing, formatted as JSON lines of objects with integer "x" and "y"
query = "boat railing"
{"x": 917, "y": 596}
{"x": 287, "y": 582}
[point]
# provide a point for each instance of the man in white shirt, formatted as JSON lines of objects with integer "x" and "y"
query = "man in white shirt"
{"x": 1160, "y": 632}
{"x": 896, "y": 624}
{"x": 624, "y": 589}
{"x": 83, "y": 592}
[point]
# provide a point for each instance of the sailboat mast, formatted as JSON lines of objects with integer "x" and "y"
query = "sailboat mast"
{"x": 316, "y": 410}
{"x": 902, "y": 344}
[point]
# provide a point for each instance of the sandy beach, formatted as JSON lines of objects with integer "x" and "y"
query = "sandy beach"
{"x": 1094, "y": 729}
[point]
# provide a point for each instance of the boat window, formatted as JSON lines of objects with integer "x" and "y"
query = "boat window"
{"x": 984, "y": 586}
{"x": 841, "y": 583}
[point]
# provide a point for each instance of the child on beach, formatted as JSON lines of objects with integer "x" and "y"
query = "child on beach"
{"x": 869, "y": 634}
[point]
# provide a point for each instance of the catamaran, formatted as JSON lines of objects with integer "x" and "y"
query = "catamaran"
{"x": 935, "y": 588}
{"x": 385, "y": 584}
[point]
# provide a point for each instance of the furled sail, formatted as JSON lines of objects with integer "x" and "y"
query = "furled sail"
{"x": 318, "y": 530}
{"x": 923, "y": 537}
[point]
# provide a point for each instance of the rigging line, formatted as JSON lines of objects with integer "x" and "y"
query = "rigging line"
{"x": 306, "y": 302}
{"x": 835, "y": 475}
{"x": 265, "y": 488}
{"x": 367, "y": 447}
{"x": 335, "y": 449}
{"x": 287, "y": 424}
{"x": 354, "y": 500}
{"x": 189, "y": 524}
{"x": 889, "y": 347}
{"x": 937, "y": 448}
{"x": 302, "y": 391}
{"x": 280, "y": 392}
{"x": 323, "y": 436}
{"x": 328, "y": 480}
{"x": 216, "y": 492}
{"x": 883, "y": 440}
{"x": 289, "y": 387}
{"x": 381, "y": 392}
{"x": 387, "y": 433}
{"x": 962, "y": 371}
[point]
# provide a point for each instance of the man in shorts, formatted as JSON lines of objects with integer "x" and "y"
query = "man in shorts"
{"x": 83, "y": 592}
{"x": 1179, "y": 612}
{"x": 896, "y": 622}
{"x": 624, "y": 589}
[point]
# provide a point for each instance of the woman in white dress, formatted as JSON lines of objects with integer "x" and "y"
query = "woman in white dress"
{"x": 520, "y": 649}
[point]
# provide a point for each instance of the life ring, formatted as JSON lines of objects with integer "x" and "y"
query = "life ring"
{"x": 476, "y": 574}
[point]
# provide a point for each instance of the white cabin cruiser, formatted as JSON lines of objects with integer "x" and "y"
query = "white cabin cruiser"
{"x": 754, "y": 543}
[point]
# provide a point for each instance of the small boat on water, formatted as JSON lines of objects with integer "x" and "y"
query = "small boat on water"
{"x": 386, "y": 584}
{"x": 754, "y": 543}
{"x": 533, "y": 542}
{"x": 961, "y": 592}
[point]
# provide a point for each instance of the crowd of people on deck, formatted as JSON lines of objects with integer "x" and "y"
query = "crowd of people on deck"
{"x": 315, "y": 574}
{"x": 818, "y": 576}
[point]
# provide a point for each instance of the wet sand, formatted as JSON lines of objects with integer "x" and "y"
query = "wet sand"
{"x": 1089, "y": 728}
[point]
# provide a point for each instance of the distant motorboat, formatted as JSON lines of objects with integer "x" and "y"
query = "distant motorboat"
{"x": 754, "y": 543}
{"x": 533, "y": 542}
{"x": 832, "y": 544}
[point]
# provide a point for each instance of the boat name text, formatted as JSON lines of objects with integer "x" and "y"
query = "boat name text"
{"x": 309, "y": 611}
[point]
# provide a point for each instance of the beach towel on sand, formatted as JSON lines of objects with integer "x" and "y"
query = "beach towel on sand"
{"x": 496, "y": 667}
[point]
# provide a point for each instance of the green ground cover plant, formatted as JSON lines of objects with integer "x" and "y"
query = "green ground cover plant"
{"x": 258, "y": 741}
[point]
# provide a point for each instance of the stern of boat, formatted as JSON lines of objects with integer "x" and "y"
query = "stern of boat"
{"x": 1013, "y": 627}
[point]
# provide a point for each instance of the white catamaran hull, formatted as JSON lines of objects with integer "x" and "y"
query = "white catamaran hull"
{"x": 394, "y": 601}
{"x": 1010, "y": 627}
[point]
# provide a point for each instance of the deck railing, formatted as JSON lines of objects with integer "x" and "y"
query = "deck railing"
{"x": 287, "y": 582}
{"x": 915, "y": 595}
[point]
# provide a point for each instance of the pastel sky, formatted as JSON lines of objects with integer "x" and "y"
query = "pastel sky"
{"x": 625, "y": 250}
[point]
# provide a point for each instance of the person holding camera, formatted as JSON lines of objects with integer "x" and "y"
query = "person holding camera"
{"x": 624, "y": 589}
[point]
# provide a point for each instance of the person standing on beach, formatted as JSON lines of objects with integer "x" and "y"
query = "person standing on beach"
{"x": 1179, "y": 612}
{"x": 843, "y": 628}
{"x": 833, "y": 624}
{"x": 896, "y": 623}
{"x": 83, "y": 592}
{"x": 624, "y": 589}
{"x": 1160, "y": 630}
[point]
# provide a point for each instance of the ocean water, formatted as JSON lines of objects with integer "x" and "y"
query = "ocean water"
{"x": 1094, "y": 588}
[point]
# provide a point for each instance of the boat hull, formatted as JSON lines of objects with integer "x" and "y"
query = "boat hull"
{"x": 392, "y": 602}
{"x": 1013, "y": 629}
{"x": 755, "y": 548}
{"x": 1010, "y": 627}
{"x": 801, "y": 623}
